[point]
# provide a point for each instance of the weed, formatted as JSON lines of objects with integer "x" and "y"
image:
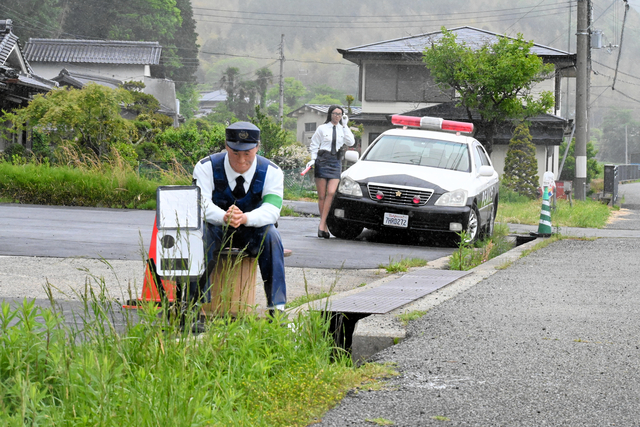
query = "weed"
{"x": 403, "y": 265}
{"x": 242, "y": 372}
{"x": 303, "y": 299}
{"x": 440, "y": 418}
{"x": 288, "y": 211}
{"x": 380, "y": 421}
{"x": 405, "y": 318}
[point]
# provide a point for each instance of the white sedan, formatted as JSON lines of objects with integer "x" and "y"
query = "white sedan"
{"x": 421, "y": 181}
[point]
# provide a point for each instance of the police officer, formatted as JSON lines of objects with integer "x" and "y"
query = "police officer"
{"x": 241, "y": 197}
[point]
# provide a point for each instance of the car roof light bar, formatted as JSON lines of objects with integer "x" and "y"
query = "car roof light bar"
{"x": 431, "y": 123}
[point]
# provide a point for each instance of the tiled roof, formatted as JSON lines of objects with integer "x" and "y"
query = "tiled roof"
{"x": 473, "y": 37}
{"x": 79, "y": 80}
{"x": 93, "y": 51}
{"x": 219, "y": 95}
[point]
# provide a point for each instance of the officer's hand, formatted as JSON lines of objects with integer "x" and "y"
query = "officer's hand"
{"x": 345, "y": 120}
{"x": 235, "y": 217}
{"x": 311, "y": 163}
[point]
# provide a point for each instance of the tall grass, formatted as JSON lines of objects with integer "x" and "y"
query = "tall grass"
{"x": 83, "y": 180}
{"x": 244, "y": 372}
{"x": 588, "y": 213}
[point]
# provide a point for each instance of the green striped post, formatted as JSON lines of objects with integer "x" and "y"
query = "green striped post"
{"x": 544, "y": 226}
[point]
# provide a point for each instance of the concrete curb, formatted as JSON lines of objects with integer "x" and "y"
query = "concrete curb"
{"x": 379, "y": 331}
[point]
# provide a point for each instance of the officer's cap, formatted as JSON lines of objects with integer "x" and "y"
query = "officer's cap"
{"x": 242, "y": 136}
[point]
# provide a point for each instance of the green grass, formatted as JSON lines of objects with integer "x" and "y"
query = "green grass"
{"x": 468, "y": 256}
{"x": 403, "y": 265}
{"x": 244, "y": 372}
{"x": 405, "y": 318}
{"x": 104, "y": 185}
{"x": 301, "y": 300}
{"x": 586, "y": 214}
{"x": 380, "y": 421}
{"x": 288, "y": 211}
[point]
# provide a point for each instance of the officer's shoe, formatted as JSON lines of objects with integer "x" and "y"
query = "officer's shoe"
{"x": 275, "y": 314}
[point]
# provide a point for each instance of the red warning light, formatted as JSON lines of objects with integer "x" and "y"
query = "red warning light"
{"x": 431, "y": 123}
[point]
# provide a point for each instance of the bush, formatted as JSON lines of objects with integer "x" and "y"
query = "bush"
{"x": 14, "y": 150}
{"x": 521, "y": 165}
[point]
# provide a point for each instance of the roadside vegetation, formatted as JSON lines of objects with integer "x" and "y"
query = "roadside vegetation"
{"x": 516, "y": 209}
{"x": 244, "y": 372}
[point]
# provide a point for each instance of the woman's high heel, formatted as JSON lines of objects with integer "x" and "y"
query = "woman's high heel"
{"x": 323, "y": 234}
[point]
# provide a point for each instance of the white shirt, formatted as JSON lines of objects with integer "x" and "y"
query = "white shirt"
{"x": 267, "y": 213}
{"x": 321, "y": 139}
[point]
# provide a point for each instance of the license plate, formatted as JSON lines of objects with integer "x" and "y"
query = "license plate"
{"x": 395, "y": 220}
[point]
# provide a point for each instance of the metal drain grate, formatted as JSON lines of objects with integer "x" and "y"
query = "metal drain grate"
{"x": 387, "y": 297}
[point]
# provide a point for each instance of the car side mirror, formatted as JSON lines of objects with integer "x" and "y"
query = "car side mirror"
{"x": 486, "y": 170}
{"x": 351, "y": 156}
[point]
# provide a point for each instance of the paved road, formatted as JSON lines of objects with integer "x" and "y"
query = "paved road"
{"x": 119, "y": 234}
{"x": 551, "y": 340}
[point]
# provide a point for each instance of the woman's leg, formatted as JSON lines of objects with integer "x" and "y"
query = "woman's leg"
{"x": 330, "y": 191}
{"x": 321, "y": 188}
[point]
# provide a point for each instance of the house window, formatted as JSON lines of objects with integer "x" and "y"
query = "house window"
{"x": 310, "y": 127}
{"x": 401, "y": 83}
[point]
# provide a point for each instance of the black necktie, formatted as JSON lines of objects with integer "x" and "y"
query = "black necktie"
{"x": 239, "y": 192}
{"x": 333, "y": 141}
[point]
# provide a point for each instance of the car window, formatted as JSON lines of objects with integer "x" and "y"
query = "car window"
{"x": 484, "y": 160}
{"x": 420, "y": 151}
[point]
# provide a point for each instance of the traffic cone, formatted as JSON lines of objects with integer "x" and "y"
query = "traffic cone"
{"x": 544, "y": 226}
{"x": 150, "y": 291}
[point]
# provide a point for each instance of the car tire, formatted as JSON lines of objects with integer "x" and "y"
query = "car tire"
{"x": 343, "y": 230}
{"x": 473, "y": 226}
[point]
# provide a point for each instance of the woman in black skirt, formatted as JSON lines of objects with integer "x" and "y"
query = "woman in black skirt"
{"x": 325, "y": 157}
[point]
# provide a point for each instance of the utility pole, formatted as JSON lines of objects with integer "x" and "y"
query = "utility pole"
{"x": 281, "y": 109}
{"x": 582, "y": 94}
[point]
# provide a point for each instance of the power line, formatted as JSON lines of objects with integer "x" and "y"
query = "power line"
{"x": 340, "y": 22}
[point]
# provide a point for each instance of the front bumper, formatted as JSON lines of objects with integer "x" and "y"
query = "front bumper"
{"x": 369, "y": 214}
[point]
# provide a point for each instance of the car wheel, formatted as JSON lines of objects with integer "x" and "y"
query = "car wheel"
{"x": 343, "y": 230}
{"x": 473, "y": 226}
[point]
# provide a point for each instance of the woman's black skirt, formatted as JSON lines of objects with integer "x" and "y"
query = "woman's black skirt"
{"x": 327, "y": 166}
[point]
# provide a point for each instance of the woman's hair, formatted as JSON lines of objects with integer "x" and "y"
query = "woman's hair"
{"x": 333, "y": 107}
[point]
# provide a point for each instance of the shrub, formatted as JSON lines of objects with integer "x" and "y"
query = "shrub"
{"x": 521, "y": 165}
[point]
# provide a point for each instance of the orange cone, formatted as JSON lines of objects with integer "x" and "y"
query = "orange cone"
{"x": 150, "y": 290}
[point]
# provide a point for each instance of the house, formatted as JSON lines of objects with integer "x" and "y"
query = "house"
{"x": 394, "y": 80}
{"x": 106, "y": 62}
{"x": 209, "y": 100}
{"x": 310, "y": 116}
{"x": 18, "y": 82}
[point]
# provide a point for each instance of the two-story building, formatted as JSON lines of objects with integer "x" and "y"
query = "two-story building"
{"x": 106, "y": 62}
{"x": 394, "y": 80}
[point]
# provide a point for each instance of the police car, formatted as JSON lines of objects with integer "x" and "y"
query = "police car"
{"x": 425, "y": 177}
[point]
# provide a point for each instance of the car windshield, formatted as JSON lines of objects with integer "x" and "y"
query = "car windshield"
{"x": 420, "y": 151}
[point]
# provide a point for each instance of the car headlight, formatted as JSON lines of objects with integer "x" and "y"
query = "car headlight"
{"x": 349, "y": 187}
{"x": 453, "y": 198}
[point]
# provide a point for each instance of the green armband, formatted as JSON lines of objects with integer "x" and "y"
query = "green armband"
{"x": 274, "y": 200}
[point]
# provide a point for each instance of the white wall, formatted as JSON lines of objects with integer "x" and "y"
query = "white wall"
{"x": 499, "y": 155}
{"x": 49, "y": 70}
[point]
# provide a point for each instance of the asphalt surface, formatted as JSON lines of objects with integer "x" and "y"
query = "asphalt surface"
{"x": 121, "y": 234}
{"x": 550, "y": 340}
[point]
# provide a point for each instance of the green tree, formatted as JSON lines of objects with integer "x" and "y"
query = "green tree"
{"x": 520, "y": 165}
{"x": 569, "y": 168}
{"x": 272, "y": 137}
{"x": 89, "y": 116}
{"x": 293, "y": 91}
{"x": 494, "y": 80}
{"x": 34, "y": 18}
{"x": 264, "y": 77}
